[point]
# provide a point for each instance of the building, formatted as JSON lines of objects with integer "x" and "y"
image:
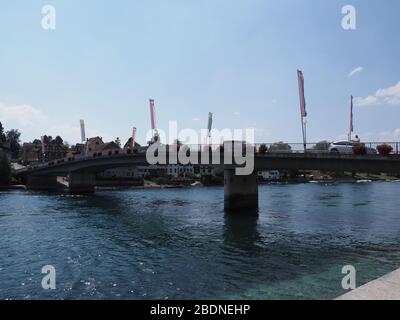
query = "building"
{"x": 53, "y": 150}
{"x": 178, "y": 170}
{"x": 134, "y": 172}
{"x": 76, "y": 150}
{"x": 128, "y": 144}
{"x": 272, "y": 175}
{"x": 93, "y": 145}
{"x": 31, "y": 152}
{"x": 110, "y": 148}
{"x": 207, "y": 170}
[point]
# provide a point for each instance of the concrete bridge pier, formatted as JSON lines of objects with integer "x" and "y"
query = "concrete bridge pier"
{"x": 240, "y": 192}
{"x": 81, "y": 182}
{"x": 41, "y": 183}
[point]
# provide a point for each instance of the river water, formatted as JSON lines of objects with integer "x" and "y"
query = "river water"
{"x": 179, "y": 244}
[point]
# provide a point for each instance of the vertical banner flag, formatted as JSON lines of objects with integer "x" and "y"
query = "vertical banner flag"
{"x": 133, "y": 137}
{"x": 210, "y": 121}
{"x": 152, "y": 113}
{"x": 351, "y": 114}
{"x": 301, "y": 92}
{"x": 83, "y": 134}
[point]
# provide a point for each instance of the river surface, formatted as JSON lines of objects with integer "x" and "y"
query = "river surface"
{"x": 179, "y": 244}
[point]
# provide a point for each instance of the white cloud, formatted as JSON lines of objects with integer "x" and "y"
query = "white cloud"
{"x": 356, "y": 71}
{"x": 390, "y": 136}
{"x": 365, "y": 102}
{"x": 23, "y": 115}
{"x": 390, "y": 95}
{"x": 387, "y": 96}
{"x": 33, "y": 123}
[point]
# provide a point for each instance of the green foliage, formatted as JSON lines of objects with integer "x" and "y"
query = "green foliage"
{"x": 5, "y": 170}
{"x": 13, "y": 137}
{"x": 2, "y": 135}
{"x": 280, "y": 147}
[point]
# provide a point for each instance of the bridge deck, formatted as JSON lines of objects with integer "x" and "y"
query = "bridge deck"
{"x": 269, "y": 161}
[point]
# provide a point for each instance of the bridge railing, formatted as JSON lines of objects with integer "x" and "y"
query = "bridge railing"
{"x": 277, "y": 147}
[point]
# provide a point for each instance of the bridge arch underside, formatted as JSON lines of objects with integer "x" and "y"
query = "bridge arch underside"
{"x": 240, "y": 192}
{"x": 81, "y": 175}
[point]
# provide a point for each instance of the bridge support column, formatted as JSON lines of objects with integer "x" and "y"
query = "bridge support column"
{"x": 240, "y": 192}
{"x": 81, "y": 182}
{"x": 41, "y": 183}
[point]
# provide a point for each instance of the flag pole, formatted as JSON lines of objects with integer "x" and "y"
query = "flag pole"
{"x": 303, "y": 112}
{"x": 303, "y": 128}
{"x": 351, "y": 127}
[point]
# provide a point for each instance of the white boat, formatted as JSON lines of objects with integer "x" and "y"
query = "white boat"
{"x": 364, "y": 181}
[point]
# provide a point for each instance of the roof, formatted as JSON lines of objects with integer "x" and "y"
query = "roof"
{"x": 110, "y": 146}
{"x": 129, "y": 142}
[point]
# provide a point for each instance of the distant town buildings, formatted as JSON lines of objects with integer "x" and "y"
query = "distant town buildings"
{"x": 272, "y": 175}
{"x": 55, "y": 149}
{"x": 31, "y": 152}
{"x": 51, "y": 149}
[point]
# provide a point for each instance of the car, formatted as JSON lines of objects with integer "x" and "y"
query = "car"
{"x": 346, "y": 147}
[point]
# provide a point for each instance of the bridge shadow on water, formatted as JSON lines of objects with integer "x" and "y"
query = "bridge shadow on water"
{"x": 240, "y": 230}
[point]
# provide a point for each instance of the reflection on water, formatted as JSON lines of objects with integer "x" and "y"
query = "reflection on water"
{"x": 175, "y": 243}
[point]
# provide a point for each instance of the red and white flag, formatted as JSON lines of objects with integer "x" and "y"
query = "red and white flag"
{"x": 152, "y": 114}
{"x": 300, "y": 78}
{"x": 351, "y": 114}
{"x": 133, "y": 137}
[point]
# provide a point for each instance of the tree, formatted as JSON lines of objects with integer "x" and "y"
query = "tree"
{"x": 5, "y": 170}
{"x": 58, "y": 140}
{"x": 47, "y": 139}
{"x": 13, "y": 137}
{"x": 280, "y": 147}
{"x": 2, "y": 135}
{"x": 37, "y": 141}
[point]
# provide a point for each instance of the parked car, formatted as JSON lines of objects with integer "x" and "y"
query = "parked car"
{"x": 346, "y": 147}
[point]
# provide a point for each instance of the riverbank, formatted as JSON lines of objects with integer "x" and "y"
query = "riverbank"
{"x": 12, "y": 187}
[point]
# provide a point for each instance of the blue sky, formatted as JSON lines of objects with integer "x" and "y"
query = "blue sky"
{"x": 237, "y": 59}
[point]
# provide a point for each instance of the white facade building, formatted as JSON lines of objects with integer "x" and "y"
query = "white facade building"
{"x": 177, "y": 170}
{"x": 270, "y": 175}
